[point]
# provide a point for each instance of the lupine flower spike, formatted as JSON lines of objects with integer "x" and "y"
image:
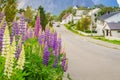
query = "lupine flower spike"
{"x": 21, "y": 59}
{"x": 37, "y": 26}
{"x": 46, "y": 55}
{"x": 10, "y": 56}
{"x": 5, "y": 42}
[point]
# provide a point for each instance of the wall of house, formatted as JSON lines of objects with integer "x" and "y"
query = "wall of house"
{"x": 76, "y": 19}
{"x": 67, "y": 20}
{"x": 99, "y": 28}
{"x": 115, "y": 33}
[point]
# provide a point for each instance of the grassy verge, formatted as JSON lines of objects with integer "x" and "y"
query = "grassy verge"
{"x": 106, "y": 40}
{"x": 69, "y": 27}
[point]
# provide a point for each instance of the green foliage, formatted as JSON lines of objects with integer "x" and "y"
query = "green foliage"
{"x": 34, "y": 67}
{"x": 16, "y": 75}
{"x": 43, "y": 17}
{"x": 105, "y": 10}
{"x": 83, "y": 24}
{"x": 69, "y": 10}
{"x": 2, "y": 4}
{"x": 68, "y": 76}
{"x": 29, "y": 13}
{"x": 106, "y": 40}
{"x": 21, "y": 11}
{"x": 10, "y": 10}
{"x": 2, "y": 63}
{"x": 29, "y": 16}
{"x": 78, "y": 26}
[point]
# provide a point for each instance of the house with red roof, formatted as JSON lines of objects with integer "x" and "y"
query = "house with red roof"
{"x": 67, "y": 18}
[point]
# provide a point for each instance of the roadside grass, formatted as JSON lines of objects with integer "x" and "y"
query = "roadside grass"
{"x": 69, "y": 27}
{"x": 106, "y": 40}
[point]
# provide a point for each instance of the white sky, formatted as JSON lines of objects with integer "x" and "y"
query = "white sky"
{"x": 21, "y": 3}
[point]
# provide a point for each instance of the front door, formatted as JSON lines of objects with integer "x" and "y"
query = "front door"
{"x": 106, "y": 32}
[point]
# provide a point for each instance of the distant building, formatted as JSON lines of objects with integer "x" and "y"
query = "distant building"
{"x": 94, "y": 11}
{"x": 115, "y": 18}
{"x": 67, "y": 18}
{"x": 81, "y": 12}
{"x": 108, "y": 25}
{"x": 76, "y": 19}
{"x": 112, "y": 31}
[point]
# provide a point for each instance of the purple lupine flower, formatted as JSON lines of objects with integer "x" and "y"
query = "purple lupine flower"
{"x": 47, "y": 35}
{"x": 37, "y": 26}
{"x": 41, "y": 38}
{"x": 2, "y": 29}
{"x": 22, "y": 25}
{"x": 18, "y": 52}
{"x": 19, "y": 48}
{"x": 30, "y": 33}
{"x": 64, "y": 64}
{"x": 15, "y": 30}
{"x": 46, "y": 54}
{"x": 55, "y": 61}
{"x": 59, "y": 45}
{"x": 51, "y": 40}
{"x": 55, "y": 45}
{"x": 0, "y": 40}
{"x": 55, "y": 41}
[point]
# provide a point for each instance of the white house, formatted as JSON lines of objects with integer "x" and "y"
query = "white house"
{"x": 80, "y": 12}
{"x": 115, "y": 18}
{"x": 76, "y": 19}
{"x": 94, "y": 11}
{"x": 112, "y": 31}
{"x": 67, "y": 18}
{"x": 103, "y": 19}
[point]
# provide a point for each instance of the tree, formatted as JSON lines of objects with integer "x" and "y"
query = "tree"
{"x": 10, "y": 10}
{"x": 43, "y": 17}
{"x": 85, "y": 22}
{"x": 68, "y": 10}
{"x": 2, "y": 4}
{"x": 78, "y": 26}
{"x": 61, "y": 15}
{"x": 21, "y": 11}
{"x": 105, "y": 10}
{"x": 28, "y": 13}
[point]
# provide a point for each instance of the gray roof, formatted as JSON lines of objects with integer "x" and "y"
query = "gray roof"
{"x": 114, "y": 26}
{"x": 107, "y": 15}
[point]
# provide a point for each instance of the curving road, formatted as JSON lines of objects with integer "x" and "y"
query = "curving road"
{"x": 88, "y": 61}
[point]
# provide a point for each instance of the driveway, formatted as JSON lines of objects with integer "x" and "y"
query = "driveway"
{"x": 89, "y": 61}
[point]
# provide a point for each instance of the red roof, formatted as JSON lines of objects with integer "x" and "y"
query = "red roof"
{"x": 65, "y": 16}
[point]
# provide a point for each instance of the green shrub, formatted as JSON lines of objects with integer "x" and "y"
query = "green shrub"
{"x": 33, "y": 66}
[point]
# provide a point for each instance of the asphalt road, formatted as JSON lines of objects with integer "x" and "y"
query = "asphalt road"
{"x": 89, "y": 61}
